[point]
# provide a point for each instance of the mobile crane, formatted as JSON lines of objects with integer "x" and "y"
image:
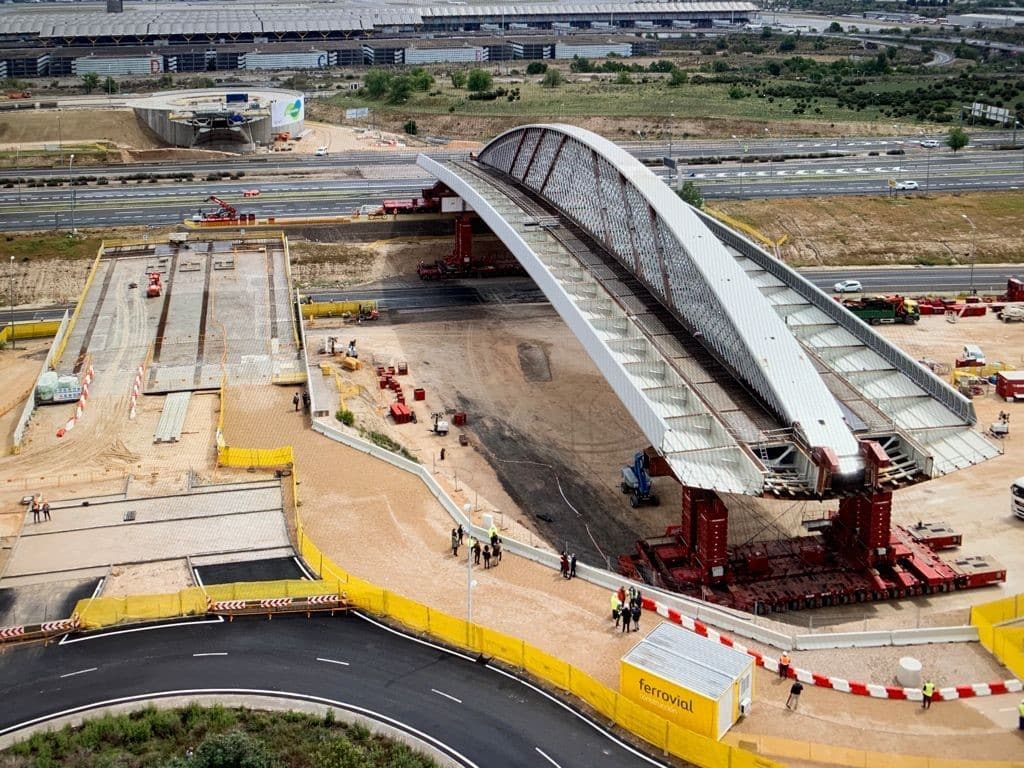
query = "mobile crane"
{"x": 226, "y": 212}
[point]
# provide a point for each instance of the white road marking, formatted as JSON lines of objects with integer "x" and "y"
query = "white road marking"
{"x": 80, "y": 672}
{"x": 545, "y": 756}
{"x": 334, "y": 661}
{"x": 214, "y": 653}
{"x": 446, "y": 695}
{"x": 65, "y": 641}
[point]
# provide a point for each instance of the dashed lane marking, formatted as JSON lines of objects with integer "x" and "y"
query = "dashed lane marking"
{"x": 543, "y": 754}
{"x": 213, "y": 653}
{"x": 80, "y": 672}
{"x": 446, "y": 695}
{"x": 334, "y": 661}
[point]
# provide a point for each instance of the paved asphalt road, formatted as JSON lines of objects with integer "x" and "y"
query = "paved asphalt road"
{"x": 479, "y": 716}
{"x": 514, "y": 290}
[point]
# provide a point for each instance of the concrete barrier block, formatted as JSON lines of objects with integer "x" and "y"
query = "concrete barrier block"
{"x": 922, "y": 636}
{"x": 842, "y": 640}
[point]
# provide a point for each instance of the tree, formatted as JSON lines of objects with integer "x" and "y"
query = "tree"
{"x": 90, "y": 81}
{"x": 677, "y": 78}
{"x": 421, "y": 79}
{"x": 410, "y": 128}
{"x": 376, "y": 83}
{"x": 552, "y": 79}
{"x": 232, "y": 750}
{"x": 110, "y": 85}
{"x": 623, "y": 78}
{"x": 399, "y": 89}
{"x": 458, "y": 78}
{"x": 835, "y": 26}
{"x": 580, "y": 64}
{"x": 957, "y": 138}
{"x": 479, "y": 80}
{"x": 661, "y": 65}
{"x": 690, "y": 193}
{"x": 536, "y": 68}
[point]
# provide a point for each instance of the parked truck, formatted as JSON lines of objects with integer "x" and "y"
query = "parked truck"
{"x": 879, "y": 310}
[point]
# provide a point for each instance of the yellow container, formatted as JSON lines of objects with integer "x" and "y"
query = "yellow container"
{"x": 689, "y": 680}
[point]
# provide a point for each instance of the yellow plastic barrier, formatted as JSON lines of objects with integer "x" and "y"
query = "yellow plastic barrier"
{"x": 409, "y": 612}
{"x": 703, "y": 751}
{"x": 649, "y": 727}
{"x": 336, "y": 308}
{"x": 255, "y": 457}
{"x": 501, "y": 646}
{"x": 365, "y": 595}
{"x": 1004, "y": 642}
{"x": 597, "y": 695}
{"x": 449, "y": 629}
{"x": 546, "y": 667}
{"x": 40, "y": 329}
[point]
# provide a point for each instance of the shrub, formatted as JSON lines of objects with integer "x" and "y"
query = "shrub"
{"x": 345, "y": 416}
{"x": 536, "y": 68}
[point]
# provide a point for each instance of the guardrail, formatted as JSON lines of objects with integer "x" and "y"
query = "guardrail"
{"x": 272, "y": 606}
{"x": 43, "y": 631}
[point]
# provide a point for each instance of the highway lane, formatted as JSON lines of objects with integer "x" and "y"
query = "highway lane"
{"x": 477, "y": 714}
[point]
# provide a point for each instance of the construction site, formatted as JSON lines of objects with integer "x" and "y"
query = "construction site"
{"x": 186, "y": 359}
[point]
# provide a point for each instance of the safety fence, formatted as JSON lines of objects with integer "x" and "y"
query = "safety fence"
{"x": 1001, "y": 630}
{"x": 97, "y": 612}
{"x": 43, "y": 631}
{"x": 59, "y": 351}
{"x": 337, "y": 308}
{"x": 34, "y": 329}
{"x": 827, "y": 754}
{"x": 519, "y": 654}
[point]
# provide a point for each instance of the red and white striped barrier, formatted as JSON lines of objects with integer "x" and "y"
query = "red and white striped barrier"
{"x": 226, "y": 605}
{"x": 835, "y": 683}
{"x": 9, "y": 632}
{"x": 64, "y": 625}
{"x": 80, "y": 406}
{"x": 136, "y": 388}
{"x": 323, "y": 599}
{"x": 276, "y": 602}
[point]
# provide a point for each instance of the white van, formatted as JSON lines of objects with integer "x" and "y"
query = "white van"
{"x": 1017, "y": 497}
{"x": 321, "y": 151}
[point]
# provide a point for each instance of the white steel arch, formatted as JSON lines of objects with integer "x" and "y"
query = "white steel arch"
{"x": 667, "y": 246}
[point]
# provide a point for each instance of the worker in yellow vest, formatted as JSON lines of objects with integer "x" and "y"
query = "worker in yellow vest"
{"x": 784, "y": 665}
{"x": 927, "y": 691}
{"x": 1020, "y": 716}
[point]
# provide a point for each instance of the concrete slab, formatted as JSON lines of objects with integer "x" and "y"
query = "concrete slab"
{"x": 147, "y": 529}
{"x": 172, "y": 418}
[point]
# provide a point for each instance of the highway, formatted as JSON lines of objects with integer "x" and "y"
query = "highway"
{"x": 413, "y": 294}
{"x": 476, "y": 714}
{"x": 165, "y": 203}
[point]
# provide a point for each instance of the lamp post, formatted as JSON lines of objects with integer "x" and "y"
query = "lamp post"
{"x": 769, "y": 135}
{"x": 12, "y": 302}
{"x": 974, "y": 242}
{"x": 739, "y": 174}
{"x": 72, "y": 183}
{"x": 927, "y": 168}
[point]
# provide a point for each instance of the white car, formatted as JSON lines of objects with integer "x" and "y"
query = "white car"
{"x": 907, "y": 185}
{"x": 929, "y": 143}
{"x": 848, "y": 286}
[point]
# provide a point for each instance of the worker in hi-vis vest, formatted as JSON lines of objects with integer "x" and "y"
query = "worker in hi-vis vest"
{"x": 1020, "y": 716}
{"x": 927, "y": 691}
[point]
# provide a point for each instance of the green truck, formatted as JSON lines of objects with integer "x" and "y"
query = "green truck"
{"x": 878, "y": 310}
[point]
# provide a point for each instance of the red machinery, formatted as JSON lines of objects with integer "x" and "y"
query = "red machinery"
{"x": 226, "y": 212}
{"x": 854, "y": 555}
{"x": 430, "y": 202}
{"x": 461, "y": 262}
{"x": 155, "y": 285}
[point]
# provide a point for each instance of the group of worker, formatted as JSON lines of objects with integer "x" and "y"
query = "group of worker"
{"x": 40, "y": 509}
{"x": 567, "y": 565}
{"x": 627, "y": 605}
{"x": 301, "y": 398}
{"x": 491, "y": 553}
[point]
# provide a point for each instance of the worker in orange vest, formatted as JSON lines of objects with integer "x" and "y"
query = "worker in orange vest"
{"x": 784, "y": 665}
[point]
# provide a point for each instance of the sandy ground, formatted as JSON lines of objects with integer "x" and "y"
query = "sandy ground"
{"x": 147, "y": 578}
{"x": 529, "y": 391}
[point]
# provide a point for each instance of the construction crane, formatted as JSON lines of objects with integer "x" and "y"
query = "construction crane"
{"x": 226, "y": 212}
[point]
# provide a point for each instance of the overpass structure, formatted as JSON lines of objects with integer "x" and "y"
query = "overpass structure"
{"x": 744, "y": 376}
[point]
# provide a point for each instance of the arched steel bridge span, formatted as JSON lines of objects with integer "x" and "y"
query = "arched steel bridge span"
{"x": 741, "y": 373}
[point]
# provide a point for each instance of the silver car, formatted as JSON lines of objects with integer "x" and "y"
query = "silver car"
{"x": 848, "y": 286}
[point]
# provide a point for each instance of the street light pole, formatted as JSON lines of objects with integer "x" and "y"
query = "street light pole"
{"x": 928, "y": 169}
{"x": 769, "y": 134}
{"x": 739, "y": 174}
{"x": 12, "y": 302}
{"x": 72, "y": 183}
{"x": 974, "y": 242}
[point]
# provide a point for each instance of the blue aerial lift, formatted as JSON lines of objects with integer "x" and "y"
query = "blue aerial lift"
{"x": 636, "y": 481}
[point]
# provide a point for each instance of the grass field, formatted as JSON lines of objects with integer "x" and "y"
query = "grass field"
{"x": 841, "y": 231}
{"x": 211, "y": 737}
{"x": 26, "y": 248}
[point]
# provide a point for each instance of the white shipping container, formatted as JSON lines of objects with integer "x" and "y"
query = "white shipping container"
{"x": 454, "y": 205}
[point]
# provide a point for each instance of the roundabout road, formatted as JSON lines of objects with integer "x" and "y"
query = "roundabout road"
{"x": 475, "y": 713}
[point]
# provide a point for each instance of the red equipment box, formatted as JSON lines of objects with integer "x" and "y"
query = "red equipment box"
{"x": 403, "y": 368}
{"x": 400, "y": 413}
{"x": 459, "y": 419}
{"x": 1010, "y": 385}
{"x": 383, "y": 382}
{"x": 419, "y": 394}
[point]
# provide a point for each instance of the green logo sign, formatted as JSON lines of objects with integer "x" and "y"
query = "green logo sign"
{"x": 294, "y": 110}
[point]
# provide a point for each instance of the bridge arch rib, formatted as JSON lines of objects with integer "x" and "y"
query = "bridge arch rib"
{"x": 662, "y": 241}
